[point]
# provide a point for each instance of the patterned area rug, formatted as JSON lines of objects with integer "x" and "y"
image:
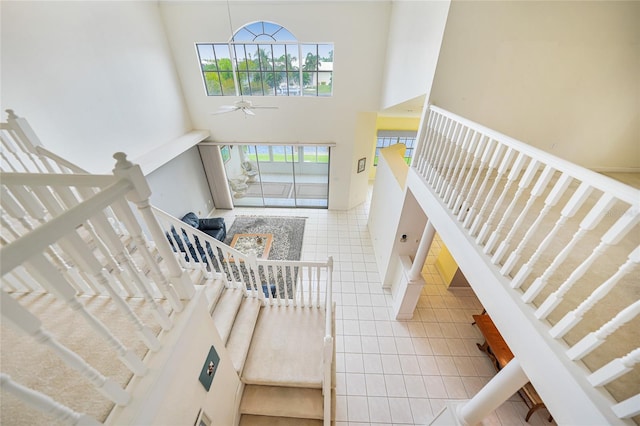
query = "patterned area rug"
{"x": 288, "y": 233}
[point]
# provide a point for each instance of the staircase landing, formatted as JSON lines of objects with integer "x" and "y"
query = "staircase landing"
{"x": 287, "y": 348}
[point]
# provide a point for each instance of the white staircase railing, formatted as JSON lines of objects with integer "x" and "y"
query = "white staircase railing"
{"x": 57, "y": 239}
{"x": 561, "y": 237}
{"x": 71, "y": 234}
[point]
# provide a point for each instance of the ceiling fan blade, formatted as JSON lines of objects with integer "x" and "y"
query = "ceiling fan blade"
{"x": 264, "y": 107}
{"x": 225, "y": 109}
{"x": 248, "y": 111}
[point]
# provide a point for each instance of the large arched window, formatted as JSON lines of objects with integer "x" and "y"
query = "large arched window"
{"x": 265, "y": 59}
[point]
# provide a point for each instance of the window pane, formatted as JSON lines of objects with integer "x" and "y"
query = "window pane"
{"x": 325, "y": 83}
{"x": 250, "y": 152}
{"x": 323, "y": 154}
{"x": 309, "y": 154}
{"x": 263, "y": 153}
{"x": 212, "y": 82}
{"x": 207, "y": 57}
{"x": 278, "y": 154}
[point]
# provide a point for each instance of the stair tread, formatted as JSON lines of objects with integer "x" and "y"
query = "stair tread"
{"x": 214, "y": 291}
{"x": 251, "y": 420}
{"x": 280, "y": 401}
{"x": 287, "y": 347}
{"x": 225, "y": 311}
{"x": 242, "y": 332}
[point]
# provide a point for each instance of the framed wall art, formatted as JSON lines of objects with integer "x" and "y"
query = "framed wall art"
{"x": 362, "y": 163}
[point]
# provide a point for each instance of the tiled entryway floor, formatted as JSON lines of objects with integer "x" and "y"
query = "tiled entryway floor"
{"x": 395, "y": 372}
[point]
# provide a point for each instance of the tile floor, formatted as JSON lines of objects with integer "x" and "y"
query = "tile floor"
{"x": 395, "y": 372}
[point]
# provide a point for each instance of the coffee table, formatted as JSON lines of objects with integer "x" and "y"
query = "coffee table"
{"x": 257, "y": 245}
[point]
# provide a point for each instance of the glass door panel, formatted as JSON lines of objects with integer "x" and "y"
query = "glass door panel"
{"x": 311, "y": 175}
{"x": 277, "y": 175}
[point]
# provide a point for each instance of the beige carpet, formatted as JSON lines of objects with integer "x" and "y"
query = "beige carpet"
{"x": 40, "y": 368}
{"x": 287, "y": 348}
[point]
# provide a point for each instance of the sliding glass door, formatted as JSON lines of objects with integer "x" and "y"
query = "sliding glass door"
{"x": 278, "y": 175}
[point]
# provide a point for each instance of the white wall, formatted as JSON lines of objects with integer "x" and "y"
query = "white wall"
{"x": 561, "y": 76}
{"x": 358, "y": 31}
{"x": 385, "y": 210}
{"x": 180, "y": 186}
{"x": 415, "y": 36}
{"x": 92, "y": 78}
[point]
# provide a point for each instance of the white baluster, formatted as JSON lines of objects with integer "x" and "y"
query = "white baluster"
{"x": 524, "y": 183}
{"x": 434, "y": 144}
{"x": 502, "y": 169}
{"x": 455, "y": 172}
{"x": 513, "y": 174}
{"x": 123, "y": 211}
{"x": 452, "y": 146}
{"x": 615, "y": 369}
{"x": 441, "y": 149}
{"x": 480, "y": 153}
{"x": 140, "y": 197}
{"x": 81, "y": 254}
{"x": 569, "y": 210}
{"x": 423, "y": 145}
{"x": 50, "y": 277}
{"x": 484, "y": 162}
{"x": 628, "y": 408}
{"x": 536, "y": 191}
{"x": 17, "y": 212}
{"x": 552, "y": 199}
{"x": 468, "y": 213}
{"x": 469, "y": 147}
{"x": 24, "y": 320}
{"x": 596, "y": 338}
{"x": 572, "y": 318}
{"x": 611, "y": 237}
{"x": 46, "y": 404}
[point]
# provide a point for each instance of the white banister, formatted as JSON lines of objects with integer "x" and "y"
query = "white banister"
{"x": 46, "y": 404}
{"x": 535, "y": 231}
{"x": 22, "y": 319}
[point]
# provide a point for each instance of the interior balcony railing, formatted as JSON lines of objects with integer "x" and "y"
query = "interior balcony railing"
{"x": 559, "y": 247}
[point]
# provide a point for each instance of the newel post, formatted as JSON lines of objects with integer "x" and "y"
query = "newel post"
{"x": 139, "y": 195}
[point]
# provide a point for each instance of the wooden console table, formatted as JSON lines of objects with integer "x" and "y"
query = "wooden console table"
{"x": 497, "y": 350}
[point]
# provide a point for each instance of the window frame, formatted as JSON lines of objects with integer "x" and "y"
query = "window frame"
{"x": 286, "y": 82}
{"x": 399, "y": 136}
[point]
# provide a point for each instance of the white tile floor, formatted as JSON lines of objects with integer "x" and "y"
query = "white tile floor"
{"x": 395, "y": 372}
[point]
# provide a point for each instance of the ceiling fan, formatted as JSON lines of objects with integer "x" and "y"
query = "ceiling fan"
{"x": 244, "y": 106}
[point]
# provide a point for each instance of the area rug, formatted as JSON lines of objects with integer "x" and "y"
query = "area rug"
{"x": 288, "y": 233}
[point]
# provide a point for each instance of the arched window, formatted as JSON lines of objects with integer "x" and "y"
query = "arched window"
{"x": 265, "y": 59}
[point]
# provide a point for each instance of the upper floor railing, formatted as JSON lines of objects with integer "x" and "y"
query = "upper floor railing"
{"x": 564, "y": 239}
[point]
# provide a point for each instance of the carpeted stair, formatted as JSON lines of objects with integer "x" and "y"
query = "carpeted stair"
{"x": 283, "y": 371}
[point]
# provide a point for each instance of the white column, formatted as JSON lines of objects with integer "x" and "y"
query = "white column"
{"x": 493, "y": 394}
{"x": 421, "y": 254}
